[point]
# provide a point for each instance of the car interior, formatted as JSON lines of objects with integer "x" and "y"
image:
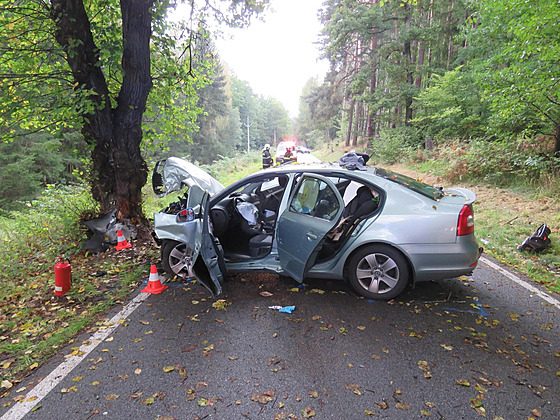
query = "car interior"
{"x": 244, "y": 221}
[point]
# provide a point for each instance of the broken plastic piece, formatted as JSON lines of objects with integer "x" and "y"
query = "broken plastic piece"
{"x": 105, "y": 231}
{"x": 284, "y": 309}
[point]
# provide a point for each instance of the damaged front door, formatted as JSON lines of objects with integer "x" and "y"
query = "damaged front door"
{"x": 210, "y": 267}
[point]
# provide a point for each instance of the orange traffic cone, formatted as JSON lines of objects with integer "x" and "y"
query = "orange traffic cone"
{"x": 123, "y": 243}
{"x": 154, "y": 285}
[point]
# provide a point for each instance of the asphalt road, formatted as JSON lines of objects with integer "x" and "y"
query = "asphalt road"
{"x": 457, "y": 349}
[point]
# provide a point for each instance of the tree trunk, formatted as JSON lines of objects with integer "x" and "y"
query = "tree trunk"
{"x": 129, "y": 165}
{"x": 408, "y": 63}
{"x": 557, "y": 141}
{"x": 356, "y": 124}
{"x": 350, "y": 121}
{"x": 370, "y": 130}
{"x": 118, "y": 171}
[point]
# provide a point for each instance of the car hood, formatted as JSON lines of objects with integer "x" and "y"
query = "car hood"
{"x": 173, "y": 173}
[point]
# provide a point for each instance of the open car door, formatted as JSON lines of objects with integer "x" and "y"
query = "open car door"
{"x": 210, "y": 267}
{"x": 313, "y": 210}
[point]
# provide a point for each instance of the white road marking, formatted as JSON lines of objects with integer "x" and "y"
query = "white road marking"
{"x": 41, "y": 390}
{"x": 545, "y": 296}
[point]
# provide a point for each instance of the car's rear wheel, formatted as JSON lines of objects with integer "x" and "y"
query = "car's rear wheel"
{"x": 378, "y": 272}
{"x": 177, "y": 259}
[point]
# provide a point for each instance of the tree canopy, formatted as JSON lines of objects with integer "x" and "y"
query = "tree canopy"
{"x": 92, "y": 66}
{"x": 461, "y": 69}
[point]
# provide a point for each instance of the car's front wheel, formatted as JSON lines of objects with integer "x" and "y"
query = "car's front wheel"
{"x": 177, "y": 259}
{"x": 378, "y": 272}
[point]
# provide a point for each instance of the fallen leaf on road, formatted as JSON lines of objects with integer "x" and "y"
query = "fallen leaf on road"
{"x": 307, "y": 413}
{"x": 536, "y": 413}
{"x": 514, "y": 317}
{"x": 220, "y": 305}
{"x": 402, "y": 406}
{"x": 382, "y": 404}
{"x": 263, "y": 397}
{"x": 355, "y": 388}
{"x": 319, "y": 291}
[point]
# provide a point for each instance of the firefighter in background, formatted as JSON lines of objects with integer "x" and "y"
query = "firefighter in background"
{"x": 266, "y": 157}
{"x": 289, "y": 155}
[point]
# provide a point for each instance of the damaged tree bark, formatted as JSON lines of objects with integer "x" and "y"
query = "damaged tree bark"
{"x": 118, "y": 170}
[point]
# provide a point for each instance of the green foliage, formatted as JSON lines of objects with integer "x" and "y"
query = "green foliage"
{"x": 395, "y": 145}
{"x": 452, "y": 107}
{"x": 29, "y": 163}
{"x": 514, "y": 56}
{"x": 267, "y": 118}
{"x": 319, "y": 113}
{"x": 230, "y": 169}
{"x": 505, "y": 163}
{"x": 30, "y": 228}
{"x": 384, "y": 53}
{"x": 36, "y": 92}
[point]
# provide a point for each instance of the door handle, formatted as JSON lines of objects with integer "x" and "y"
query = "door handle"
{"x": 311, "y": 236}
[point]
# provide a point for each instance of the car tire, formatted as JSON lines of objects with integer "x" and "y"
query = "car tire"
{"x": 378, "y": 272}
{"x": 177, "y": 259}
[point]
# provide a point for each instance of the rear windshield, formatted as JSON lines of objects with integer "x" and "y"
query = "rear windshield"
{"x": 411, "y": 183}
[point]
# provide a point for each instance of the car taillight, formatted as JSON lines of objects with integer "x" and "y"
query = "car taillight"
{"x": 465, "y": 226}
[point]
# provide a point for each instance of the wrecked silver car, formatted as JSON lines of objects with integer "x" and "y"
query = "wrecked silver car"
{"x": 377, "y": 229}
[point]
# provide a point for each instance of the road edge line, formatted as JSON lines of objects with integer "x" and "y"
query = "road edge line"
{"x": 545, "y": 296}
{"x": 47, "y": 384}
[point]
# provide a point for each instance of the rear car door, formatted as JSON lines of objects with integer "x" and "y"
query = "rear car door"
{"x": 314, "y": 209}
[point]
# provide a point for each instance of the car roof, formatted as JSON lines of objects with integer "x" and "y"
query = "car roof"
{"x": 313, "y": 167}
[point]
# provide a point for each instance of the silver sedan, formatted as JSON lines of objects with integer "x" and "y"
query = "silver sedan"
{"x": 377, "y": 229}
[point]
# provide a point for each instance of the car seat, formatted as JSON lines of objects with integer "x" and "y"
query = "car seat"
{"x": 362, "y": 205}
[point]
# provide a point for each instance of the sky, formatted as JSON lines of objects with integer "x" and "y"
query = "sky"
{"x": 278, "y": 56}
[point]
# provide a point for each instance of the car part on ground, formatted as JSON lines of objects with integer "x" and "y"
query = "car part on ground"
{"x": 104, "y": 231}
{"x": 537, "y": 242}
